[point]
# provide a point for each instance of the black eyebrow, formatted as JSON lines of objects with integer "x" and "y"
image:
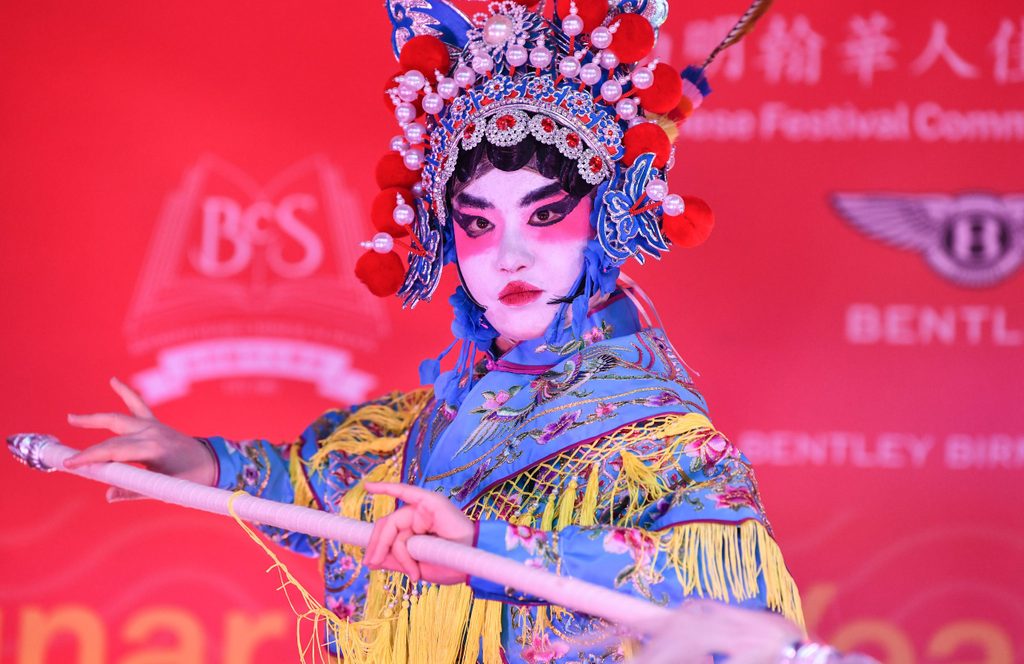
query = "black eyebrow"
{"x": 472, "y": 201}
{"x": 541, "y": 194}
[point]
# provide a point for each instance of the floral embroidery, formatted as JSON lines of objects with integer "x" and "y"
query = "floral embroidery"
{"x": 250, "y": 474}
{"x": 636, "y": 543}
{"x": 595, "y": 334}
{"x": 474, "y": 480}
{"x": 346, "y": 563}
{"x": 709, "y": 450}
{"x": 528, "y": 538}
{"x": 242, "y": 446}
{"x": 542, "y": 650}
{"x": 641, "y": 572}
{"x": 664, "y": 398}
{"x": 588, "y": 338}
{"x": 342, "y": 608}
{"x": 495, "y": 400}
{"x": 558, "y": 427}
{"x": 736, "y": 497}
{"x": 605, "y": 409}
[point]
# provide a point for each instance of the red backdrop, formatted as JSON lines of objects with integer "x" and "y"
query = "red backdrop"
{"x": 877, "y": 386}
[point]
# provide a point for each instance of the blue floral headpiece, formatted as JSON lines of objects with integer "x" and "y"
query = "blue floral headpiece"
{"x": 577, "y": 76}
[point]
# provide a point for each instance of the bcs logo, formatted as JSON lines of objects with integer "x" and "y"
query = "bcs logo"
{"x": 250, "y": 280}
{"x": 972, "y": 239}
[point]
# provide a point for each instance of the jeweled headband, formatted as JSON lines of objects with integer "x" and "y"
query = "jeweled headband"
{"x": 576, "y": 75}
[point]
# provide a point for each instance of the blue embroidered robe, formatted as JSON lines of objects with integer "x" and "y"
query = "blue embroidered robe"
{"x": 593, "y": 458}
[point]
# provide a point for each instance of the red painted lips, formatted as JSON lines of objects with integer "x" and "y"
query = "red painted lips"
{"x": 518, "y": 293}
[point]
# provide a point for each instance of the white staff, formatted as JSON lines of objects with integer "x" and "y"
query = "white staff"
{"x": 46, "y": 453}
{"x": 752, "y": 638}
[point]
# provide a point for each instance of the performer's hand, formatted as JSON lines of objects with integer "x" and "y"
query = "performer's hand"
{"x": 702, "y": 627}
{"x": 424, "y": 513}
{"x": 142, "y": 439}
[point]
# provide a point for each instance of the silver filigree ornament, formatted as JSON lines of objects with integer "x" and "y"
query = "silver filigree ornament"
{"x": 655, "y": 11}
{"x": 582, "y": 123}
{"x": 508, "y": 128}
{"x": 28, "y": 449}
{"x": 504, "y": 25}
{"x": 411, "y": 20}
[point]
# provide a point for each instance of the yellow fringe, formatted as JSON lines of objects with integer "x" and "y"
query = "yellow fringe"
{"x": 567, "y": 505}
{"x": 300, "y": 485}
{"x": 709, "y": 559}
{"x": 714, "y": 560}
{"x": 314, "y": 611}
{"x": 588, "y": 509}
{"x": 379, "y": 428}
{"x": 400, "y": 642}
{"x": 401, "y": 625}
{"x": 491, "y": 633}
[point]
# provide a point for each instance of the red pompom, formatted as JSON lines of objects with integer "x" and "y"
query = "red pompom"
{"x": 392, "y": 172}
{"x": 646, "y": 137}
{"x": 425, "y": 54}
{"x": 682, "y": 111}
{"x": 693, "y": 226}
{"x": 383, "y": 274}
{"x": 634, "y": 38}
{"x": 382, "y": 208}
{"x": 593, "y": 12}
{"x": 665, "y": 93}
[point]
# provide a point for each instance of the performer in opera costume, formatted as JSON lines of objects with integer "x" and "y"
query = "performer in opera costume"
{"x": 568, "y": 434}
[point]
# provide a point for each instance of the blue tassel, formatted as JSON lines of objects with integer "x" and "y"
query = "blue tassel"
{"x": 580, "y": 307}
{"x": 557, "y": 324}
{"x": 430, "y": 368}
{"x": 453, "y": 386}
{"x": 696, "y": 76}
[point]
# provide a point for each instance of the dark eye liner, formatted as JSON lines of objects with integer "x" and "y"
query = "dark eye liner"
{"x": 465, "y": 222}
{"x": 562, "y": 207}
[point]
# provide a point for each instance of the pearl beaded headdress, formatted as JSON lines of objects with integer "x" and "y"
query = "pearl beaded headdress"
{"x": 577, "y": 76}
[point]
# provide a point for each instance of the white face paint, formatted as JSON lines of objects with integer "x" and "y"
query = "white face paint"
{"x": 519, "y": 238}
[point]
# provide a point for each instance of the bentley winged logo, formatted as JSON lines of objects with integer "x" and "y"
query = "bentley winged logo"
{"x": 973, "y": 239}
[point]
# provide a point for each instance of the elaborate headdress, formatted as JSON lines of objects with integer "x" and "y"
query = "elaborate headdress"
{"x": 577, "y": 76}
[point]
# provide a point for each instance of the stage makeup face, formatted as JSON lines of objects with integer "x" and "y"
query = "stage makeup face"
{"x": 519, "y": 238}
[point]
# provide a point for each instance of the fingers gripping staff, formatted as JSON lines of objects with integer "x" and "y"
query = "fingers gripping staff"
{"x": 422, "y": 556}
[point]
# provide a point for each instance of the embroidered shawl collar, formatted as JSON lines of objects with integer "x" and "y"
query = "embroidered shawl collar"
{"x": 540, "y": 399}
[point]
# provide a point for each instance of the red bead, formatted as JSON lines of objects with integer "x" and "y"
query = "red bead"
{"x": 383, "y": 207}
{"x": 383, "y": 274}
{"x": 425, "y": 54}
{"x": 646, "y": 137}
{"x": 665, "y": 93}
{"x": 693, "y": 226}
{"x": 634, "y": 38}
